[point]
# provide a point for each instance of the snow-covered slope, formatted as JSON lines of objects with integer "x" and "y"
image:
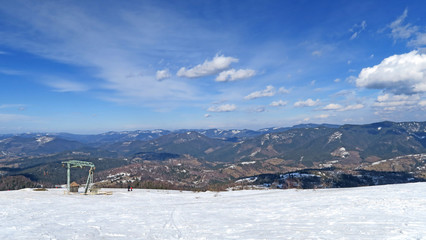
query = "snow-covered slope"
{"x": 380, "y": 212}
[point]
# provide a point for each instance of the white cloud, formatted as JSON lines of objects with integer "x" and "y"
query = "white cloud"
{"x": 4, "y": 117}
{"x": 279, "y": 103}
{"x": 407, "y": 32}
{"x": 308, "y": 103}
{"x": 400, "y": 31}
{"x": 357, "y": 29}
{"x": 268, "y": 92}
{"x": 393, "y": 101}
{"x": 163, "y": 74}
{"x": 61, "y": 85}
{"x": 332, "y": 106}
{"x": 316, "y": 53}
{"x": 216, "y": 65}
{"x": 222, "y": 108}
{"x": 207, "y": 115}
{"x": 18, "y": 106}
{"x": 322, "y": 116}
{"x": 422, "y": 103}
{"x": 110, "y": 49}
{"x": 10, "y": 72}
{"x": 340, "y": 108}
{"x": 353, "y": 107}
{"x": 232, "y": 75}
{"x": 283, "y": 90}
{"x": 399, "y": 74}
{"x": 420, "y": 40}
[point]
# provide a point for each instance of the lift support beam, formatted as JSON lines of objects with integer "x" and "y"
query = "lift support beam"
{"x": 74, "y": 164}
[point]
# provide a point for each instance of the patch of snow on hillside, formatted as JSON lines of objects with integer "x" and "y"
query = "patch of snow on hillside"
{"x": 44, "y": 139}
{"x": 255, "y": 152}
{"x": 249, "y": 180}
{"x": 340, "y": 152}
{"x": 265, "y": 138}
{"x": 380, "y": 212}
{"x": 218, "y": 131}
{"x": 297, "y": 175}
{"x": 379, "y": 128}
{"x": 247, "y": 163}
{"x": 378, "y": 162}
{"x": 5, "y": 140}
{"x": 335, "y": 136}
{"x": 235, "y": 131}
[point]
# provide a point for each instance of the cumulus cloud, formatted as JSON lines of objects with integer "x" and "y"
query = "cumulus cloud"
{"x": 332, "y": 106}
{"x": 340, "y": 108}
{"x": 216, "y": 65}
{"x": 353, "y": 107}
{"x": 268, "y": 92}
{"x": 283, "y": 90}
{"x": 322, "y": 116}
{"x": 279, "y": 103}
{"x": 232, "y": 75}
{"x": 399, "y": 74}
{"x": 222, "y": 108}
{"x": 393, "y": 101}
{"x": 163, "y": 74}
{"x": 308, "y": 103}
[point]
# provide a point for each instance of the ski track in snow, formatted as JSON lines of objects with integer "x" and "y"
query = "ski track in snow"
{"x": 380, "y": 212}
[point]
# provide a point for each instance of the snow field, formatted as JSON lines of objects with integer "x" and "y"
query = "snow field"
{"x": 380, "y": 212}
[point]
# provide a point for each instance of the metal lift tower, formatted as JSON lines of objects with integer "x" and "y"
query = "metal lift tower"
{"x": 75, "y": 163}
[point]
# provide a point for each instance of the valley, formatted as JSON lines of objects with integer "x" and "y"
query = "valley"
{"x": 347, "y": 155}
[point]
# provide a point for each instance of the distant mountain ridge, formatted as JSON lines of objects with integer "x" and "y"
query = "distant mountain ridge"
{"x": 146, "y": 135}
{"x": 199, "y": 156}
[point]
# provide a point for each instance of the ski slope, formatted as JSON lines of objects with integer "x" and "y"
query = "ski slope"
{"x": 380, "y": 212}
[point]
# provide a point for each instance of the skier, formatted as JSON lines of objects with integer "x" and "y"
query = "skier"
{"x": 128, "y": 188}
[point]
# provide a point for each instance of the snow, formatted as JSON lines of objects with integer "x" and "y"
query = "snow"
{"x": 247, "y": 163}
{"x": 380, "y": 212}
{"x": 255, "y": 152}
{"x": 297, "y": 175}
{"x": 44, "y": 139}
{"x": 335, "y": 136}
{"x": 340, "y": 152}
{"x": 235, "y": 131}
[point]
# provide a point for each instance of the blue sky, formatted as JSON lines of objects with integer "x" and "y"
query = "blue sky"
{"x": 96, "y": 66}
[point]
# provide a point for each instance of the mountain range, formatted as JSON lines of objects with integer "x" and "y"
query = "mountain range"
{"x": 251, "y": 152}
